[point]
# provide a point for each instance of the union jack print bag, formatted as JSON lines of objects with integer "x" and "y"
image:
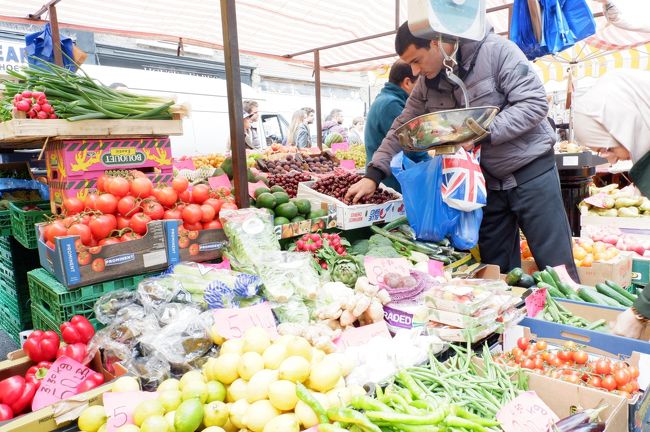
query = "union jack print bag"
{"x": 463, "y": 184}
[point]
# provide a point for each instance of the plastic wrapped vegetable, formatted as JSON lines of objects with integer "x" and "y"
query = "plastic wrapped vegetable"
{"x": 251, "y": 234}
{"x": 110, "y": 305}
{"x": 287, "y": 275}
{"x": 346, "y": 269}
{"x": 294, "y": 311}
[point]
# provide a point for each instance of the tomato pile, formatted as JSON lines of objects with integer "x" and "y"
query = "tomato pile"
{"x": 35, "y": 104}
{"x": 323, "y": 246}
{"x": 572, "y": 364}
{"x": 122, "y": 207}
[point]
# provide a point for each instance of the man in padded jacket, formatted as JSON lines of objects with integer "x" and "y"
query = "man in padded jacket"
{"x": 516, "y": 157}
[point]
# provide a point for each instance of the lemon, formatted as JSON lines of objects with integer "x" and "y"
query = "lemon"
{"x": 191, "y": 376}
{"x": 146, "y": 409}
{"x": 282, "y": 394}
{"x": 237, "y": 413}
{"x": 170, "y": 399}
{"x": 237, "y": 390}
{"x": 225, "y": 368}
{"x": 283, "y": 423}
{"x": 213, "y": 429}
{"x": 274, "y": 355}
{"x": 128, "y": 428}
{"x": 258, "y": 386}
{"x": 325, "y": 375}
{"x": 155, "y": 423}
{"x": 294, "y": 369}
{"x": 92, "y": 418}
{"x": 250, "y": 364}
{"x": 235, "y": 346}
{"x": 195, "y": 389}
{"x": 259, "y": 414}
{"x": 256, "y": 339}
{"x": 125, "y": 384}
{"x": 169, "y": 384}
{"x": 299, "y": 346}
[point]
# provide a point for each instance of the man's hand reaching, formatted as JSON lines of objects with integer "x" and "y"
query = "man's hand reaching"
{"x": 363, "y": 188}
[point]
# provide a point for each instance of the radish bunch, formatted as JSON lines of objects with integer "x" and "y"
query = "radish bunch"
{"x": 35, "y": 104}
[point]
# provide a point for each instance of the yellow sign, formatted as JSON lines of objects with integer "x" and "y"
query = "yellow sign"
{"x": 122, "y": 151}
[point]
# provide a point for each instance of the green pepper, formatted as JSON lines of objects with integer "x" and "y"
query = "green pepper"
{"x": 309, "y": 399}
{"x": 347, "y": 415}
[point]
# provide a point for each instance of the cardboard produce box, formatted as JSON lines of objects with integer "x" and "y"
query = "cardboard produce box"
{"x": 196, "y": 246}
{"x": 355, "y": 216}
{"x": 308, "y": 226}
{"x": 102, "y": 263}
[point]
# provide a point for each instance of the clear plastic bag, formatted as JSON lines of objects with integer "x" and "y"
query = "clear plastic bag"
{"x": 155, "y": 292}
{"x": 294, "y": 311}
{"x": 152, "y": 371}
{"x": 251, "y": 234}
{"x": 288, "y": 274}
{"x": 108, "y": 306}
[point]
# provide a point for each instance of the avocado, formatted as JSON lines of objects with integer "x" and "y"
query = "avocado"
{"x": 281, "y": 197}
{"x": 226, "y": 166}
{"x": 279, "y": 220}
{"x": 512, "y": 278}
{"x": 526, "y": 281}
{"x": 260, "y": 190}
{"x": 303, "y": 206}
{"x": 298, "y": 219}
{"x": 217, "y": 172}
{"x": 315, "y": 214}
{"x": 265, "y": 200}
{"x": 250, "y": 175}
{"x": 277, "y": 188}
{"x": 287, "y": 210}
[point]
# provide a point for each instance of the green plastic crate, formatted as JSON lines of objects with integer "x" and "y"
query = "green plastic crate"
{"x": 5, "y": 223}
{"x": 61, "y": 304}
{"x": 23, "y": 221}
{"x": 641, "y": 272}
{"x": 20, "y": 312}
{"x": 8, "y": 325}
{"x": 42, "y": 320}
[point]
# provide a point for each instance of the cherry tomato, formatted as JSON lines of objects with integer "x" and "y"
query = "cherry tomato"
{"x": 628, "y": 387}
{"x": 154, "y": 210}
{"x": 192, "y": 214}
{"x": 180, "y": 184}
{"x": 634, "y": 372}
{"x": 595, "y": 381}
{"x": 207, "y": 213}
{"x": 83, "y": 258}
{"x": 229, "y": 206}
{"x": 619, "y": 365}
{"x": 101, "y": 226}
{"x": 73, "y": 206}
{"x": 215, "y": 224}
{"x": 622, "y": 376}
{"x": 574, "y": 379}
{"x": 106, "y": 203}
{"x": 539, "y": 363}
{"x": 130, "y": 236}
{"x": 193, "y": 235}
{"x": 127, "y": 206}
{"x": 183, "y": 242}
{"x": 118, "y": 186}
{"x": 564, "y": 356}
{"x": 200, "y": 193}
{"x": 122, "y": 222}
{"x": 194, "y": 249}
{"x": 214, "y": 203}
{"x": 139, "y": 223}
{"x": 580, "y": 357}
{"x": 528, "y": 364}
{"x": 608, "y": 383}
{"x": 54, "y": 230}
{"x": 141, "y": 187}
{"x": 515, "y": 351}
{"x": 90, "y": 202}
{"x": 83, "y": 231}
{"x": 541, "y": 345}
{"x": 603, "y": 367}
{"x": 555, "y": 361}
{"x": 635, "y": 385}
{"x": 95, "y": 250}
{"x": 173, "y": 214}
{"x": 166, "y": 196}
{"x": 570, "y": 345}
{"x": 98, "y": 265}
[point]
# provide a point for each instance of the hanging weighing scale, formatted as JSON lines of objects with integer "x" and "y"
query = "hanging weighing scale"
{"x": 447, "y": 21}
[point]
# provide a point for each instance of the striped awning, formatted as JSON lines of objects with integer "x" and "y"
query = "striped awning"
{"x": 272, "y": 28}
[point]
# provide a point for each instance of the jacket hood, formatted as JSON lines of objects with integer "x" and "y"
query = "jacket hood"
{"x": 329, "y": 124}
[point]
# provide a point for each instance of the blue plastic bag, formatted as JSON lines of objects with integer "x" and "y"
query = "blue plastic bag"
{"x": 465, "y": 235}
{"x": 578, "y": 18}
{"x": 39, "y": 46}
{"x": 428, "y": 215}
{"x": 521, "y": 31}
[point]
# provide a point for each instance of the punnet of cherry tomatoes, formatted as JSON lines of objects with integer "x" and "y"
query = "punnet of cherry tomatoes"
{"x": 572, "y": 364}
{"x": 124, "y": 204}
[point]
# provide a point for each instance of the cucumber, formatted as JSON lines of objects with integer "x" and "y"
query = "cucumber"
{"x": 547, "y": 278}
{"x": 586, "y": 295}
{"x": 614, "y": 295}
{"x": 551, "y": 271}
{"x": 604, "y": 298}
{"x": 622, "y": 291}
{"x": 537, "y": 277}
{"x": 526, "y": 281}
{"x": 513, "y": 276}
{"x": 554, "y": 292}
{"x": 568, "y": 291}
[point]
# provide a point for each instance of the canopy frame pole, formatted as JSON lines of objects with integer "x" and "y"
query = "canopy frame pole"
{"x": 45, "y": 8}
{"x": 317, "y": 88}
{"x": 56, "y": 36}
{"x": 235, "y": 104}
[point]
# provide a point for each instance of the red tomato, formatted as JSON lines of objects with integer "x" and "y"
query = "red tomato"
{"x": 122, "y": 222}
{"x": 200, "y": 193}
{"x": 173, "y": 214}
{"x": 619, "y": 365}
{"x": 554, "y": 361}
{"x": 194, "y": 249}
{"x": 83, "y": 258}
{"x": 90, "y": 201}
{"x": 595, "y": 381}
{"x": 622, "y": 377}
{"x": 528, "y": 364}
{"x": 83, "y": 231}
{"x": 214, "y": 203}
{"x": 634, "y": 372}
{"x": 101, "y": 226}
{"x": 106, "y": 203}
{"x": 118, "y": 186}
{"x": 603, "y": 367}
{"x": 128, "y": 205}
{"x": 185, "y": 196}
{"x": 139, "y": 223}
{"x": 109, "y": 241}
{"x": 215, "y": 224}
{"x": 183, "y": 242}
{"x": 193, "y": 235}
{"x": 565, "y": 356}
{"x": 98, "y": 265}
{"x": 195, "y": 227}
{"x": 54, "y": 230}
{"x": 608, "y": 383}
{"x": 130, "y": 236}
{"x": 580, "y": 357}
{"x": 166, "y": 196}
{"x": 101, "y": 182}
{"x": 229, "y": 206}
{"x": 154, "y": 210}
{"x": 141, "y": 187}
{"x": 574, "y": 379}
{"x": 180, "y": 184}
{"x": 207, "y": 213}
{"x": 192, "y": 214}
{"x": 95, "y": 250}
{"x": 73, "y": 206}
{"x": 539, "y": 363}
{"x": 541, "y": 345}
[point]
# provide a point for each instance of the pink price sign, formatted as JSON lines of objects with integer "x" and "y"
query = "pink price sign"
{"x": 232, "y": 323}
{"x": 436, "y": 268}
{"x": 120, "y": 406}
{"x": 564, "y": 276}
{"x": 597, "y": 200}
{"x": 60, "y": 382}
{"x": 535, "y": 302}
{"x": 377, "y": 268}
{"x": 526, "y": 412}
{"x": 252, "y": 187}
{"x": 348, "y": 164}
{"x": 340, "y": 146}
{"x": 184, "y": 164}
{"x": 357, "y": 336}
{"x": 219, "y": 182}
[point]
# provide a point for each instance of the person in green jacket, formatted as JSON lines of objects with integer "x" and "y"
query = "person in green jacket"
{"x": 387, "y": 106}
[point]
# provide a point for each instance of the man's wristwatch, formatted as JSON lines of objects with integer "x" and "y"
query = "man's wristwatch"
{"x": 638, "y": 316}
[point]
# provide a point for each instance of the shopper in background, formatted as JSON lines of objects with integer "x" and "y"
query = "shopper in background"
{"x": 516, "y": 156}
{"x": 627, "y": 14}
{"x": 389, "y": 104}
{"x": 298, "y": 134}
{"x": 334, "y": 124}
{"x": 248, "y": 138}
{"x": 355, "y": 135}
{"x": 251, "y": 107}
{"x": 613, "y": 118}
{"x": 310, "y": 115}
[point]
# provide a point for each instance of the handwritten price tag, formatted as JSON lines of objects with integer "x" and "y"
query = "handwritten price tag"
{"x": 597, "y": 200}
{"x": 232, "y": 323}
{"x": 436, "y": 268}
{"x": 252, "y": 187}
{"x": 527, "y": 412}
{"x": 61, "y": 382}
{"x": 535, "y": 302}
{"x": 184, "y": 164}
{"x": 120, "y": 406}
{"x": 377, "y": 268}
{"x": 340, "y": 146}
{"x": 564, "y": 276}
{"x": 348, "y": 164}
{"x": 360, "y": 335}
{"x": 219, "y": 182}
